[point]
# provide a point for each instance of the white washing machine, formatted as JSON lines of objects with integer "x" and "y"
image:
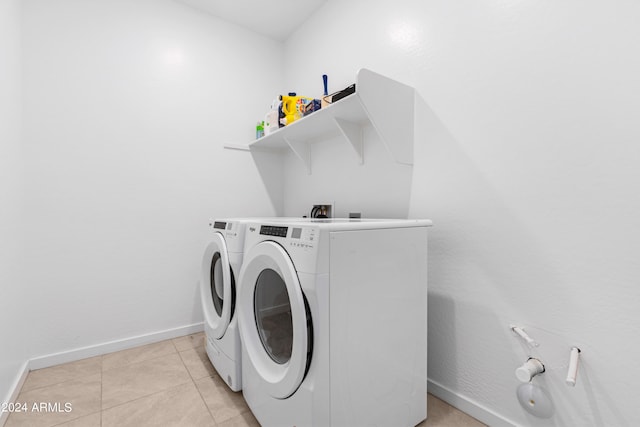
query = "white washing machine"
{"x": 333, "y": 318}
{"x": 221, "y": 265}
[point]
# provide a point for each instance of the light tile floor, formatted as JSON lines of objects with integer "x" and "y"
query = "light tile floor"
{"x": 170, "y": 383}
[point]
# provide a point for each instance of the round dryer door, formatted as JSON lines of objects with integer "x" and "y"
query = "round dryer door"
{"x": 217, "y": 286}
{"x": 275, "y": 323}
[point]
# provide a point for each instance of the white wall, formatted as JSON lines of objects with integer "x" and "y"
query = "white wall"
{"x": 127, "y": 106}
{"x": 13, "y": 351}
{"x": 528, "y": 168}
{"x": 378, "y": 188}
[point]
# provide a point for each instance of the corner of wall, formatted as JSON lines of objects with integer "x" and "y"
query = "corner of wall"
{"x": 14, "y": 390}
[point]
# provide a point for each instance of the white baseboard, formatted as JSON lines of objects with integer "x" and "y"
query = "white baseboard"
{"x": 15, "y": 390}
{"x": 468, "y": 406}
{"x": 109, "y": 347}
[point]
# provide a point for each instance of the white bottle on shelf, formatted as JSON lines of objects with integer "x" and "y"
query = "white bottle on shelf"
{"x": 271, "y": 119}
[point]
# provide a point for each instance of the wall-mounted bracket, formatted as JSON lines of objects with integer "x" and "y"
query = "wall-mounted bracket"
{"x": 302, "y": 149}
{"x": 239, "y": 147}
{"x": 522, "y": 334}
{"x": 389, "y": 105}
{"x": 574, "y": 359}
{"x": 353, "y": 133}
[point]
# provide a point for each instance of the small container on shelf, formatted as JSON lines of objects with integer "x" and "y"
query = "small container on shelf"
{"x": 259, "y": 130}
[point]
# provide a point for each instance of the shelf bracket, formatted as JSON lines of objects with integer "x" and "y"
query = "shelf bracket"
{"x": 353, "y": 133}
{"x": 382, "y": 96}
{"x": 302, "y": 149}
{"x": 236, "y": 147}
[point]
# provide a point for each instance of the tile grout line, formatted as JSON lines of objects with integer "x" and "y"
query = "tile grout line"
{"x": 61, "y": 383}
{"x": 196, "y": 385}
{"x": 190, "y": 348}
{"x": 145, "y": 396}
{"x": 74, "y": 419}
{"x": 187, "y": 368}
{"x": 216, "y": 374}
{"x": 204, "y": 401}
{"x": 176, "y": 352}
{"x": 139, "y": 362}
{"x": 174, "y": 345}
{"x": 22, "y": 390}
{"x": 193, "y": 380}
{"x": 140, "y": 398}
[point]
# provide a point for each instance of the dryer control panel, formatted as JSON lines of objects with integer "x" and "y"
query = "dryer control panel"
{"x": 273, "y": 230}
{"x": 289, "y": 236}
{"x": 301, "y": 242}
{"x": 295, "y": 237}
{"x": 305, "y": 238}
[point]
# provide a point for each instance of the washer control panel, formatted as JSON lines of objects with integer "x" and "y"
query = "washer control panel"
{"x": 233, "y": 233}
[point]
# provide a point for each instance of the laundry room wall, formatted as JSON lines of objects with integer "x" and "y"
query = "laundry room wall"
{"x": 377, "y": 188}
{"x": 528, "y": 165}
{"x": 127, "y": 107}
{"x": 12, "y": 301}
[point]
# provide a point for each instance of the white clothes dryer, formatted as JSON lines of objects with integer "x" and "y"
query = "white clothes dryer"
{"x": 221, "y": 265}
{"x": 333, "y": 318}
